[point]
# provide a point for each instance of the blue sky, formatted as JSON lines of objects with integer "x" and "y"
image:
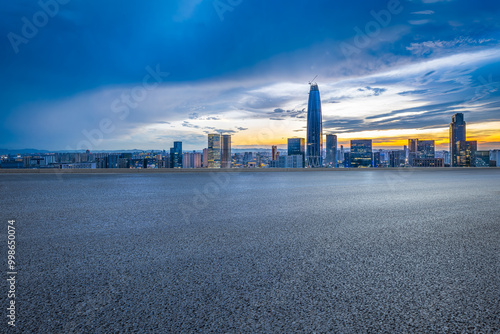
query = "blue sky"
{"x": 131, "y": 74}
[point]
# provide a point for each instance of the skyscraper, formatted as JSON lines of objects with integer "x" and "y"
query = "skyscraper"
{"x": 361, "y": 153}
{"x": 420, "y": 149}
{"x": 412, "y": 150}
{"x": 426, "y": 149}
{"x": 331, "y": 151}
{"x": 226, "y": 152}
{"x": 457, "y": 137}
{"x": 214, "y": 151}
{"x": 191, "y": 160}
{"x": 204, "y": 158}
{"x": 314, "y": 128}
{"x": 176, "y": 155}
{"x": 296, "y": 146}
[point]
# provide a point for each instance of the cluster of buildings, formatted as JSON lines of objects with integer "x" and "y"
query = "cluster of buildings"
{"x": 300, "y": 153}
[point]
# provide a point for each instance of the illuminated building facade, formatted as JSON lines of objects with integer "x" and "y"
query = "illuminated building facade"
{"x": 361, "y": 153}
{"x": 214, "y": 151}
{"x": 226, "y": 151}
{"x": 331, "y": 151}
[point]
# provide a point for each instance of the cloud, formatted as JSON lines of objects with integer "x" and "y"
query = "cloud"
{"x": 189, "y": 125}
{"x": 225, "y": 131}
{"x": 376, "y": 91}
{"x": 428, "y": 47}
{"x": 418, "y": 22}
{"x": 424, "y": 12}
{"x": 413, "y": 92}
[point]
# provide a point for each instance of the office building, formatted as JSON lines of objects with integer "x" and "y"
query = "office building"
{"x": 226, "y": 151}
{"x": 314, "y": 128}
{"x": 421, "y": 149}
{"x": 376, "y": 159}
{"x": 428, "y": 162}
{"x": 214, "y": 151}
{"x": 397, "y": 158}
{"x": 466, "y": 151}
{"x": 296, "y": 146}
{"x": 361, "y": 153}
{"x": 291, "y": 161}
{"x": 481, "y": 159}
{"x": 331, "y": 151}
{"x": 204, "y": 158}
{"x": 176, "y": 155}
{"x": 191, "y": 160}
{"x": 457, "y": 138}
{"x": 495, "y": 158}
{"x": 274, "y": 153}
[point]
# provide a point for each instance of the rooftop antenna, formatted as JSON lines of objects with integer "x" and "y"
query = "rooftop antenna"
{"x": 312, "y": 81}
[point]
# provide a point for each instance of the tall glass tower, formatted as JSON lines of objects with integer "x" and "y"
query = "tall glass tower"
{"x": 331, "y": 151}
{"x": 176, "y": 155}
{"x": 225, "y": 151}
{"x": 457, "y": 138}
{"x": 214, "y": 149}
{"x": 314, "y": 128}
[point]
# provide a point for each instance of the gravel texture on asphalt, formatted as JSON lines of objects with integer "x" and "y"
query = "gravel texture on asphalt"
{"x": 357, "y": 252}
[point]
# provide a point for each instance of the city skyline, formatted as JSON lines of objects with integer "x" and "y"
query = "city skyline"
{"x": 388, "y": 70}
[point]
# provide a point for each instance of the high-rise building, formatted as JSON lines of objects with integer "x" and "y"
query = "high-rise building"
{"x": 376, "y": 159}
{"x": 226, "y": 152}
{"x": 314, "y": 128}
{"x": 397, "y": 158}
{"x": 457, "y": 138}
{"x": 296, "y": 146}
{"x": 331, "y": 151}
{"x": 176, "y": 155}
{"x": 412, "y": 150}
{"x": 426, "y": 149}
{"x": 481, "y": 159}
{"x": 274, "y": 153}
{"x": 191, "y": 160}
{"x": 204, "y": 158}
{"x": 466, "y": 153}
{"x": 291, "y": 161}
{"x": 214, "y": 154}
{"x": 361, "y": 153}
{"x": 420, "y": 149}
{"x": 495, "y": 158}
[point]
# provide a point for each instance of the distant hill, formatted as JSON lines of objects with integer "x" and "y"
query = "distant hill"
{"x": 22, "y": 151}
